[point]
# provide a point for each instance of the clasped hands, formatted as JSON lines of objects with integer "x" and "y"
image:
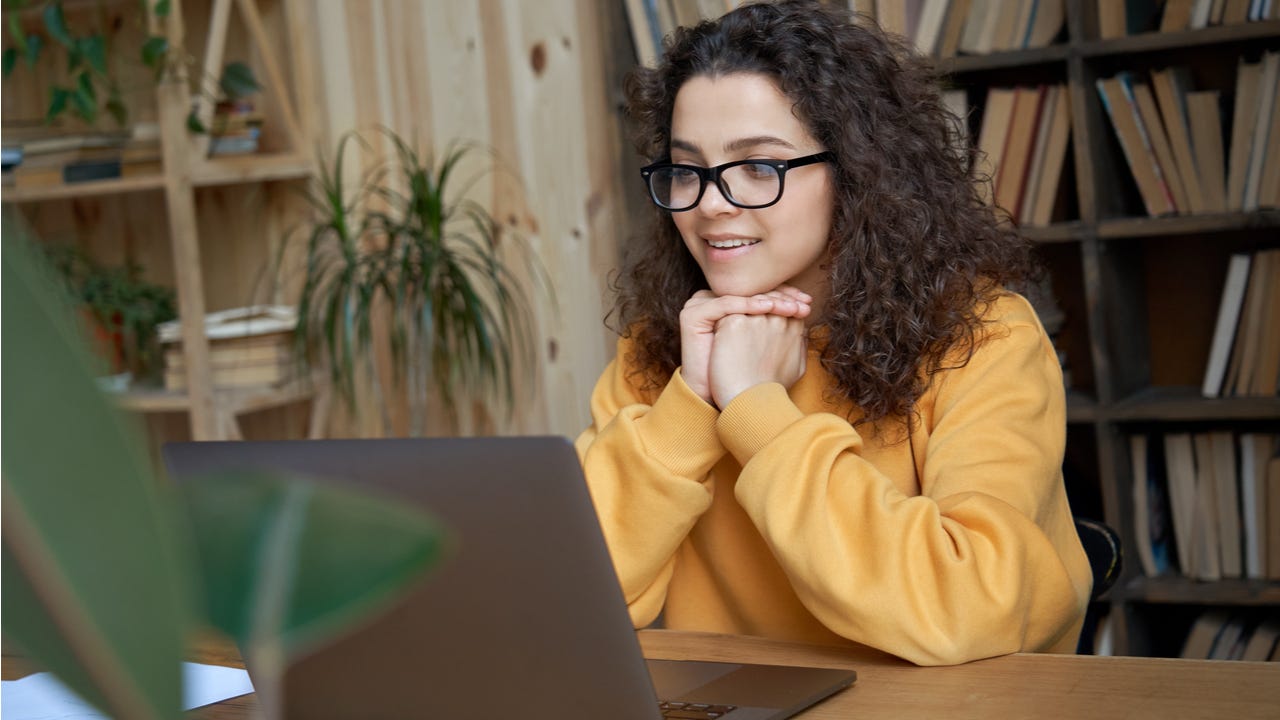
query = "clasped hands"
{"x": 730, "y": 343}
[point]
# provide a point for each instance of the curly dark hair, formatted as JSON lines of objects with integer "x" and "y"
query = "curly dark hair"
{"x": 915, "y": 255}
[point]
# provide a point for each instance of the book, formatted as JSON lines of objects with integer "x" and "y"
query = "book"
{"x": 928, "y": 31}
{"x": 1266, "y": 371}
{"x": 1170, "y": 86}
{"x": 1227, "y": 486}
{"x": 1016, "y": 158}
{"x": 1206, "y": 555}
{"x": 1150, "y": 116}
{"x": 1046, "y": 23}
{"x": 1049, "y": 178}
{"x": 1153, "y": 531}
{"x": 1203, "y": 636}
{"x": 1143, "y": 166}
{"x": 953, "y": 28}
{"x": 1262, "y": 642}
{"x": 1244, "y": 118}
{"x": 1206, "y": 139}
{"x": 1180, "y": 470}
{"x": 1224, "y": 331}
{"x": 1111, "y": 22}
{"x": 1255, "y": 450}
{"x": 1273, "y": 517}
{"x": 997, "y": 114}
{"x": 1176, "y": 16}
{"x": 1269, "y": 185}
{"x": 642, "y": 34}
{"x": 1031, "y": 185}
{"x": 1240, "y": 376}
{"x": 1267, "y": 84}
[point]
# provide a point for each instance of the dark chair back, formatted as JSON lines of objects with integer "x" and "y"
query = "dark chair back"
{"x": 1102, "y": 545}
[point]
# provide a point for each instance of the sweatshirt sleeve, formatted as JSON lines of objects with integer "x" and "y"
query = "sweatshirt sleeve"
{"x": 985, "y": 561}
{"x": 647, "y": 467}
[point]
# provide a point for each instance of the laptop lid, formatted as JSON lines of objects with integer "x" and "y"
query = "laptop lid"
{"x": 524, "y": 618}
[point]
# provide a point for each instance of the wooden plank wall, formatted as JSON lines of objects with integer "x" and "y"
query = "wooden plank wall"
{"x": 529, "y": 80}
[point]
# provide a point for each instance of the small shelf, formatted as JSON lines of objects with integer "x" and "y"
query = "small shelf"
{"x": 1157, "y": 41}
{"x": 1185, "y": 403}
{"x": 965, "y": 64}
{"x": 1143, "y": 227}
{"x": 1185, "y": 591}
{"x": 114, "y": 186}
{"x": 235, "y": 400}
{"x": 1080, "y": 407}
{"x": 257, "y": 167}
{"x": 1056, "y": 233}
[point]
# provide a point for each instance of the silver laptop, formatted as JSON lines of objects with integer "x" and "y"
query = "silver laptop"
{"x": 524, "y": 619}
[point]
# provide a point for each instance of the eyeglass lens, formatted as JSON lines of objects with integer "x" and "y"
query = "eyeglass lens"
{"x": 749, "y": 184}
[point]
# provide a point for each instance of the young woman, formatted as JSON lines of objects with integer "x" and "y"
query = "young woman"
{"x": 829, "y": 418}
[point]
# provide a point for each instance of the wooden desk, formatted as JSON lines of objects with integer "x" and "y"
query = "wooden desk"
{"x": 1015, "y": 686}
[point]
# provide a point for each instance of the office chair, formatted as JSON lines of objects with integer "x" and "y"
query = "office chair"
{"x": 1102, "y": 545}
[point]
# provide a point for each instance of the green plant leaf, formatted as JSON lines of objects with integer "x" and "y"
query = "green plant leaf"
{"x": 161, "y": 8}
{"x": 153, "y": 52}
{"x": 238, "y": 81}
{"x": 295, "y": 560}
{"x": 31, "y": 50}
{"x": 57, "y": 102}
{"x": 15, "y": 28}
{"x": 10, "y": 59}
{"x": 94, "y": 50}
{"x": 83, "y": 101}
{"x": 193, "y": 123}
{"x": 56, "y": 24}
{"x": 90, "y": 552}
{"x": 116, "y": 106}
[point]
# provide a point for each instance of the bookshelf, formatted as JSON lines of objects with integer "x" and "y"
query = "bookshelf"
{"x": 199, "y": 223}
{"x": 1140, "y": 295}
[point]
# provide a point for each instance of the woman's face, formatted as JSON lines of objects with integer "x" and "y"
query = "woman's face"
{"x": 744, "y": 252}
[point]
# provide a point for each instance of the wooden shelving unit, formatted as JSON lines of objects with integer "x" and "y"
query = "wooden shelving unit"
{"x": 1123, "y": 264}
{"x": 187, "y": 169}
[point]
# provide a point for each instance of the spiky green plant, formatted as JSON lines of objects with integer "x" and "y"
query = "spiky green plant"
{"x": 407, "y": 242}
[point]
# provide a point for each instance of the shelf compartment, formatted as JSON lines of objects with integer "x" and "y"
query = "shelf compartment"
{"x": 92, "y": 188}
{"x": 1185, "y": 403}
{"x": 250, "y": 168}
{"x": 234, "y": 400}
{"x": 1174, "y": 590}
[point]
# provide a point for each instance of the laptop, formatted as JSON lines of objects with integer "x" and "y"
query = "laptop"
{"x": 523, "y": 619}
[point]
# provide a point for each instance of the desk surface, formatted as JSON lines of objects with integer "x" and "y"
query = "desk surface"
{"x": 1023, "y": 685}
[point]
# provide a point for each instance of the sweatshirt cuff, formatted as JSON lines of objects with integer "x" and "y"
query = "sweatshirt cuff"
{"x": 754, "y": 418}
{"x": 679, "y": 431}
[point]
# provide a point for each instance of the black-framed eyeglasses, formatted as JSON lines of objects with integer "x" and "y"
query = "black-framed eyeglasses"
{"x": 750, "y": 184}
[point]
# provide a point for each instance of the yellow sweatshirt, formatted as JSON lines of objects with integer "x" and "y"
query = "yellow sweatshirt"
{"x": 777, "y": 518}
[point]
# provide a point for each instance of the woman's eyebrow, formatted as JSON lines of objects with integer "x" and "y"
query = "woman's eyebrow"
{"x": 750, "y": 142}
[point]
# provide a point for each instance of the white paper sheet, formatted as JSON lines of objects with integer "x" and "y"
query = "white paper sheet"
{"x": 43, "y": 697}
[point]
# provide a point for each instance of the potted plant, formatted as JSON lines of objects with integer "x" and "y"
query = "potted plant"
{"x": 408, "y": 244}
{"x": 120, "y": 308}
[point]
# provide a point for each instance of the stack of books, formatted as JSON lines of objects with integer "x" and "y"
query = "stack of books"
{"x": 248, "y": 347}
{"x": 235, "y": 129}
{"x": 1117, "y": 18}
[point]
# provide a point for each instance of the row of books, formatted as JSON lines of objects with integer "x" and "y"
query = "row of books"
{"x": 1117, "y": 18}
{"x": 248, "y": 347}
{"x": 1172, "y": 139}
{"x": 1244, "y": 357}
{"x": 941, "y": 28}
{"x": 1023, "y": 142}
{"x": 1206, "y": 505}
{"x": 45, "y": 157}
{"x": 1222, "y": 635}
{"x": 946, "y": 28}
